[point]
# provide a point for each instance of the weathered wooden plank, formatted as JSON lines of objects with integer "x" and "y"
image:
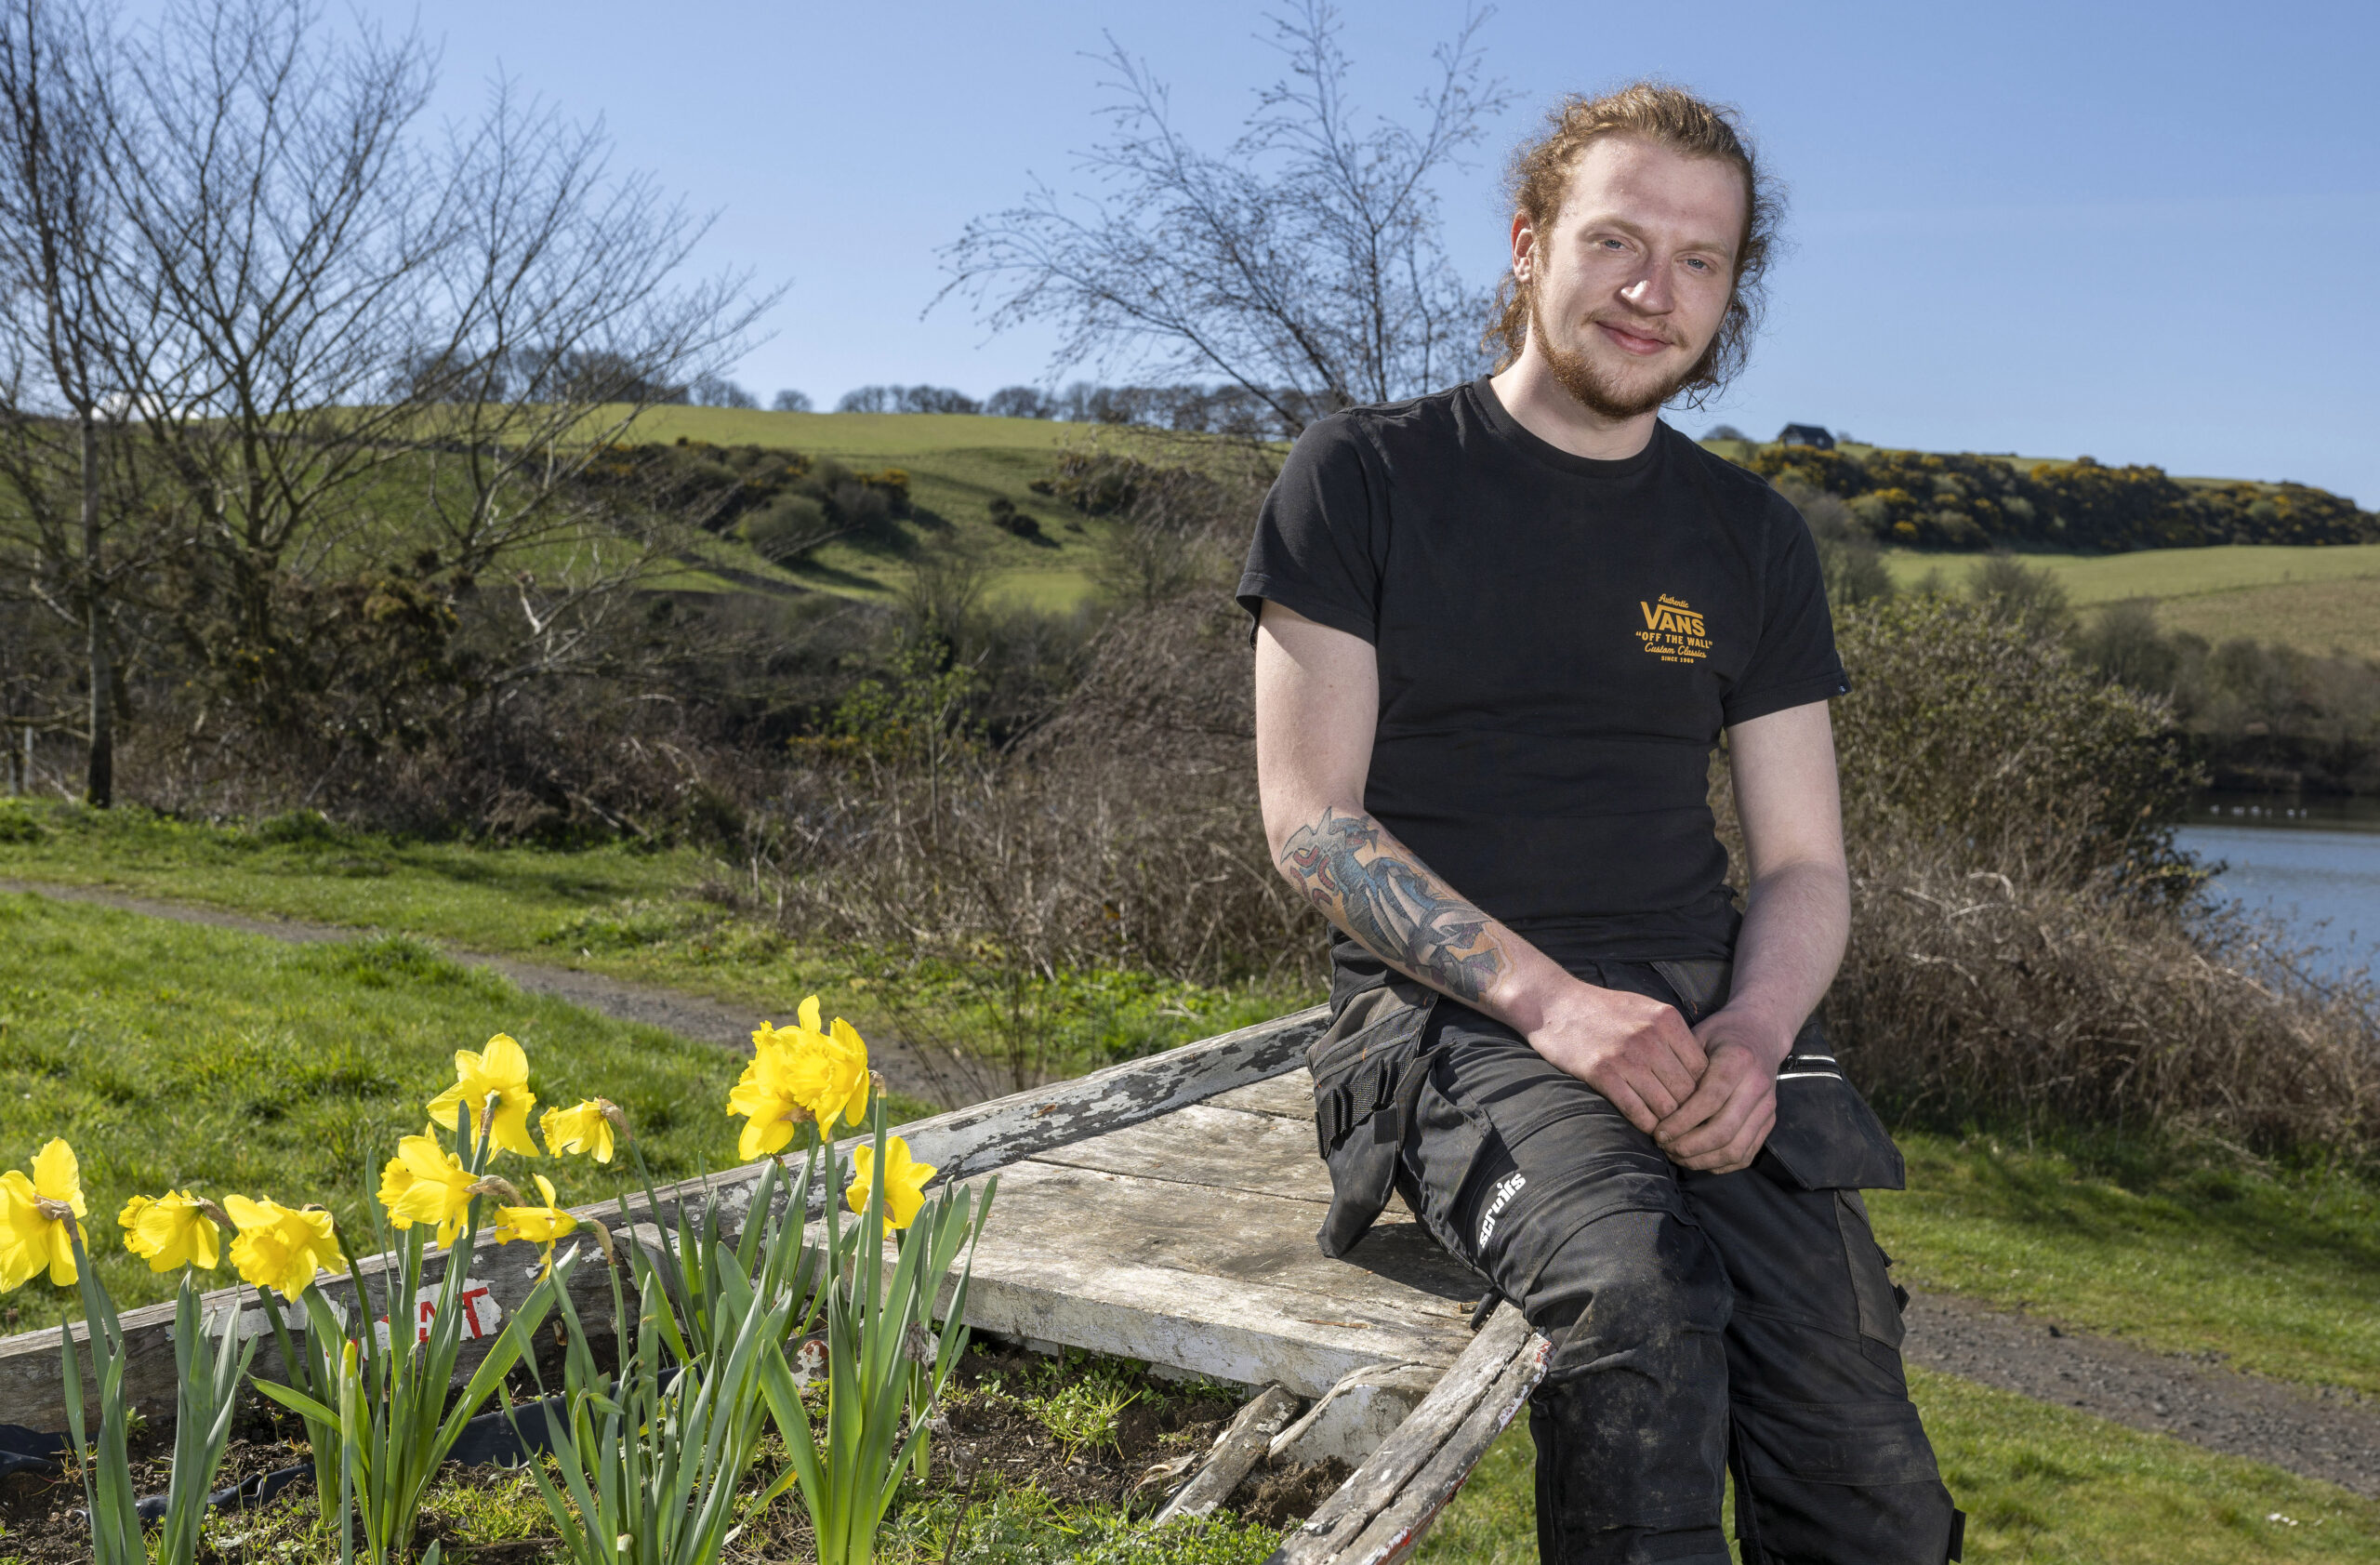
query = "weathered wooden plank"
{"x": 1218, "y": 1282}
{"x": 1354, "y": 1416}
{"x": 33, "y": 1394}
{"x": 970, "y": 1141}
{"x": 960, "y": 1143}
{"x": 1289, "y": 1095}
{"x": 1342, "y": 1519}
{"x": 1235, "y": 1451}
{"x": 1228, "y": 1148}
{"x": 1399, "y": 1528}
{"x": 1215, "y": 1239}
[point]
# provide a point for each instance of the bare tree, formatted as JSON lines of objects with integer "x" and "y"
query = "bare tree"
{"x": 1304, "y": 263}
{"x": 379, "y": 347}
{"x": 72, "y": 333}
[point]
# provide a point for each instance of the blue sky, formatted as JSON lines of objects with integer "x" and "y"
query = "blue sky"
{"x": 2146, "y": 233}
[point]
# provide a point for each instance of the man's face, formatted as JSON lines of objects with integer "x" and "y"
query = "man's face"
{"x": 1630, "y": 281}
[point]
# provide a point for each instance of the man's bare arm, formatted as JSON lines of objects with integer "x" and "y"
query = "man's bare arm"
{"x": 1797, "y": 916}
{"x": 1317, "y": 697}
{"x": 1370, "y": 885}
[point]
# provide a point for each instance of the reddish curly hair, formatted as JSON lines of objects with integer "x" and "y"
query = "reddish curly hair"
{"x": 1539, "y": 178}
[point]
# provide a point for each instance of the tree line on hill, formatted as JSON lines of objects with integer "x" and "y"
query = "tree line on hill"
{"x": 1188, "y": 409}
{"x": 1958, "y": 501}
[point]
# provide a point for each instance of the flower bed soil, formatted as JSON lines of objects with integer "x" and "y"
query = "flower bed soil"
{"x": 995, "y": 1457}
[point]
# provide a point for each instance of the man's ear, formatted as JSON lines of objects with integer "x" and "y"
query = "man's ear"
{"x": 1523, "y": 246}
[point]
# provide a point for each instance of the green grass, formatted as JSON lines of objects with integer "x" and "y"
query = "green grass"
{"x": 622, "y": 912}
{"x": 493, "y": 899}
{"x": 2040, "y": 1485}
{"x": 2164, "y": 573}
{"x": 958, "y": 465}
{"x": 2317, "y": 599}
{"x": 2316, "y": 617}
{"x": 2275, "y": 1276}
{"x": 174, "y": 1056}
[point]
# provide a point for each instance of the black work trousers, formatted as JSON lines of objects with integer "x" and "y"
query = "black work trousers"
{"x": 1701, "y": 1323}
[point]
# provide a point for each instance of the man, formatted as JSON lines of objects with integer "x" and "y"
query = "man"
{"x": 1500, "y": 631}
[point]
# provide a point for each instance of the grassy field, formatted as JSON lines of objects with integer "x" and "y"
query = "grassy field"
{"x": 2168, "y": 573}
{"x": 627, "y": 913}
{"x": 2273, "y": 1276}
{"x": 958, "y": 465}
{"x": 173, "y": 1055}
{"x": 2041, "y": 1486}
{"x": 2319, "y": 599}
{"x": 2314, "y": 598}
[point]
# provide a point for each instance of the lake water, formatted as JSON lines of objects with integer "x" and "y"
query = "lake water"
{"x": 2316, "y": 867}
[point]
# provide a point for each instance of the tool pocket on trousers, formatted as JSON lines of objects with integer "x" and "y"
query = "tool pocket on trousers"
{"x": 1366, "y": 1069}
{"x": 1827, "y": 1137}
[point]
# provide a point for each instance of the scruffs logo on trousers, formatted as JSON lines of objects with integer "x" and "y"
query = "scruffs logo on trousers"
{"x": 1673, "y": 631}
{"x": 1504, "y": 1194}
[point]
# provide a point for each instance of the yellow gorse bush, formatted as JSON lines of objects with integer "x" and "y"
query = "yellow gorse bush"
{"x": 40, "y": 1217}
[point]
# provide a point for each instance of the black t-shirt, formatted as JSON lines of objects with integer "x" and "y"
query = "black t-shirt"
{"x": 1560, "y": 641}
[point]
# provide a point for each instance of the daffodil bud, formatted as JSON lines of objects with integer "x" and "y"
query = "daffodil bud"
{"x": 613, "y": 1112}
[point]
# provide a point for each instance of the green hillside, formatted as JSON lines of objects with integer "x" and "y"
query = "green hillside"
{"x": 2315, "y": 596}
{"x": 2319, "y": 599}
{"x": 958, "y": 465}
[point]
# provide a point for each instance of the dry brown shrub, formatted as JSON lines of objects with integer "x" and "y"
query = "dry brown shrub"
{"x": 2027, "y": 943}
{"x": 1974, "y": 993}
{"x": 1123, "y": 830}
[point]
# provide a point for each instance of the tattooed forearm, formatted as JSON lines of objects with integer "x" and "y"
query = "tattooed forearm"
{"x": 1370, "y": 885}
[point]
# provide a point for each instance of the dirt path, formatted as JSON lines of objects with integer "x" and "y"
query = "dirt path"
{"x": 2333, "y": 1436}
{"x": 940, "y": 1080}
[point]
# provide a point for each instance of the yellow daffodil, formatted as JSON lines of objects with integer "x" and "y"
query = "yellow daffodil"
{"x": 35, "y": 1215}
{"x": 904, "y": 1182}
{"x": 500, "y": 1071}
{"x": 280, "y": 1248}
{"x": 543, "y": 1224}
{"x": 801, "y": 1073}
{"x": 765, "y": 1096}
{"x": 587, "y": 1128}
{"x": 425, "y": 1183}
{"x": 830, "y": 1075}
{"x": 174, "y": 1229}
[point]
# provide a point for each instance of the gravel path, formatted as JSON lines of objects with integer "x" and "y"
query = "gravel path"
{"x": 937, "y": 1079}
{"x": 2332, "y": 1435}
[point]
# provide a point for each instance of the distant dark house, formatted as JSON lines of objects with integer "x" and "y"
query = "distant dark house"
{"x": 1805, "y": 434}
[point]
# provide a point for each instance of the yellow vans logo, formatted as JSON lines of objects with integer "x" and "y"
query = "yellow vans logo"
{"x": 1673, "y": 631}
